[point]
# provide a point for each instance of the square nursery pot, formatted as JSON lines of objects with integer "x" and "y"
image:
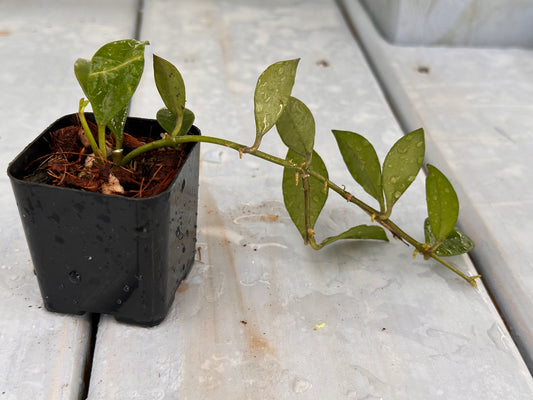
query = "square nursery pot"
{"x": 109, "y": 254}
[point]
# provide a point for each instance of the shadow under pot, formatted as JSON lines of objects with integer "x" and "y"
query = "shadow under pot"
{"x": 110, "y": 254}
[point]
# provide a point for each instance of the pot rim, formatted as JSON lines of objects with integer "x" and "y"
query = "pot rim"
{"x": 194, "y": 129}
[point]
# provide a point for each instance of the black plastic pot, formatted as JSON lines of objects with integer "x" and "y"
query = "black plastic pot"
{"x": 109, "y": 254}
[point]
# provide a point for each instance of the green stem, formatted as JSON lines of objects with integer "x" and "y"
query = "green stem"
{"x": 175, "y": 141}
{"x": 309, "y": 233}
{"x": 101, "y": 140}
{"x": 119, "y": 141}
{"x": 177, "y": 128}
{"x": 395, "y": 230}
{"x": 307, "y": 208}
{"x": 255, "y": 146}
{"x": 372, "y": 212}
{"x": 116, "y": 155}
{"x": 305, "y": 172}
{"x": 469, "y": 279}
{"x": 85, "y": 126}
{"x": 348, "y": 196}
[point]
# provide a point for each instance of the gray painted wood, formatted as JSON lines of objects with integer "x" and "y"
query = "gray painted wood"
{"x": 487, "y": 23}
{"x": 475, "y": 106}
{"x": 261, "y": 315}
{"x": 42, "y": 355}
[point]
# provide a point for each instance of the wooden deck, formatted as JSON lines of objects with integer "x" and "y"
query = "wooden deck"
{"x": 261, "y": 315}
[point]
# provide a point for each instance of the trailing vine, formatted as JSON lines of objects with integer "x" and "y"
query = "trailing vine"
{"x": 112, "y": 75}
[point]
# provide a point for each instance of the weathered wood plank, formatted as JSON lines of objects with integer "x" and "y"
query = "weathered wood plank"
{"x": 476, "y": 107}
{"x": 469, "y": 23}
{"x": 42, "y": 355}
{"x": 261, "y": 315}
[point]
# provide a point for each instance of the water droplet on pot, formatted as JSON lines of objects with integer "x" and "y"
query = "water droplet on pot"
{"x": 74, "y": 277}
{"x": 126, "y": 288}
{"x": 141, "y": 229}
{"x": 61, "y": 286}
{"x": 119, "y": 302}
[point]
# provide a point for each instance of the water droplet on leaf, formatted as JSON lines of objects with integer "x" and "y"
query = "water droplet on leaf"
{"x": 402, "y": 150}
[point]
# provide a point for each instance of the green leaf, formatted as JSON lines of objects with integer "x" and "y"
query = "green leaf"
{"x": 293, "y": 195}
{"x": 456, "y": 243}
{"x": 401, "y": 166}
{"x": 272, "y": 94}
{"x": 362, "y": 161}
{"x": 168, "y": 121}
{"x": 170, "y": 86}
{"x": 117, "y": 124}
{"x": 115, "y": 72}
{"x": 296, "y": 127}
{"x": 442, "y": 202}
{"x": 360, "y": 232}
{"x": 82, "y": 68}
{"x": 188, "y": 120}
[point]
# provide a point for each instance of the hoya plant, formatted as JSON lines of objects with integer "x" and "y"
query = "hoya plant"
{"x": 110, "y": 78}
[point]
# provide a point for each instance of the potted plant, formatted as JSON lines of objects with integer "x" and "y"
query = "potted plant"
{"x": 109, "y": 202}
{"x": 99, "y": 245}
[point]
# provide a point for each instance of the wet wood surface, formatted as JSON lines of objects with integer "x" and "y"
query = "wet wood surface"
{"x": 260, "y": 315}
{"x": 473, "y": 103}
